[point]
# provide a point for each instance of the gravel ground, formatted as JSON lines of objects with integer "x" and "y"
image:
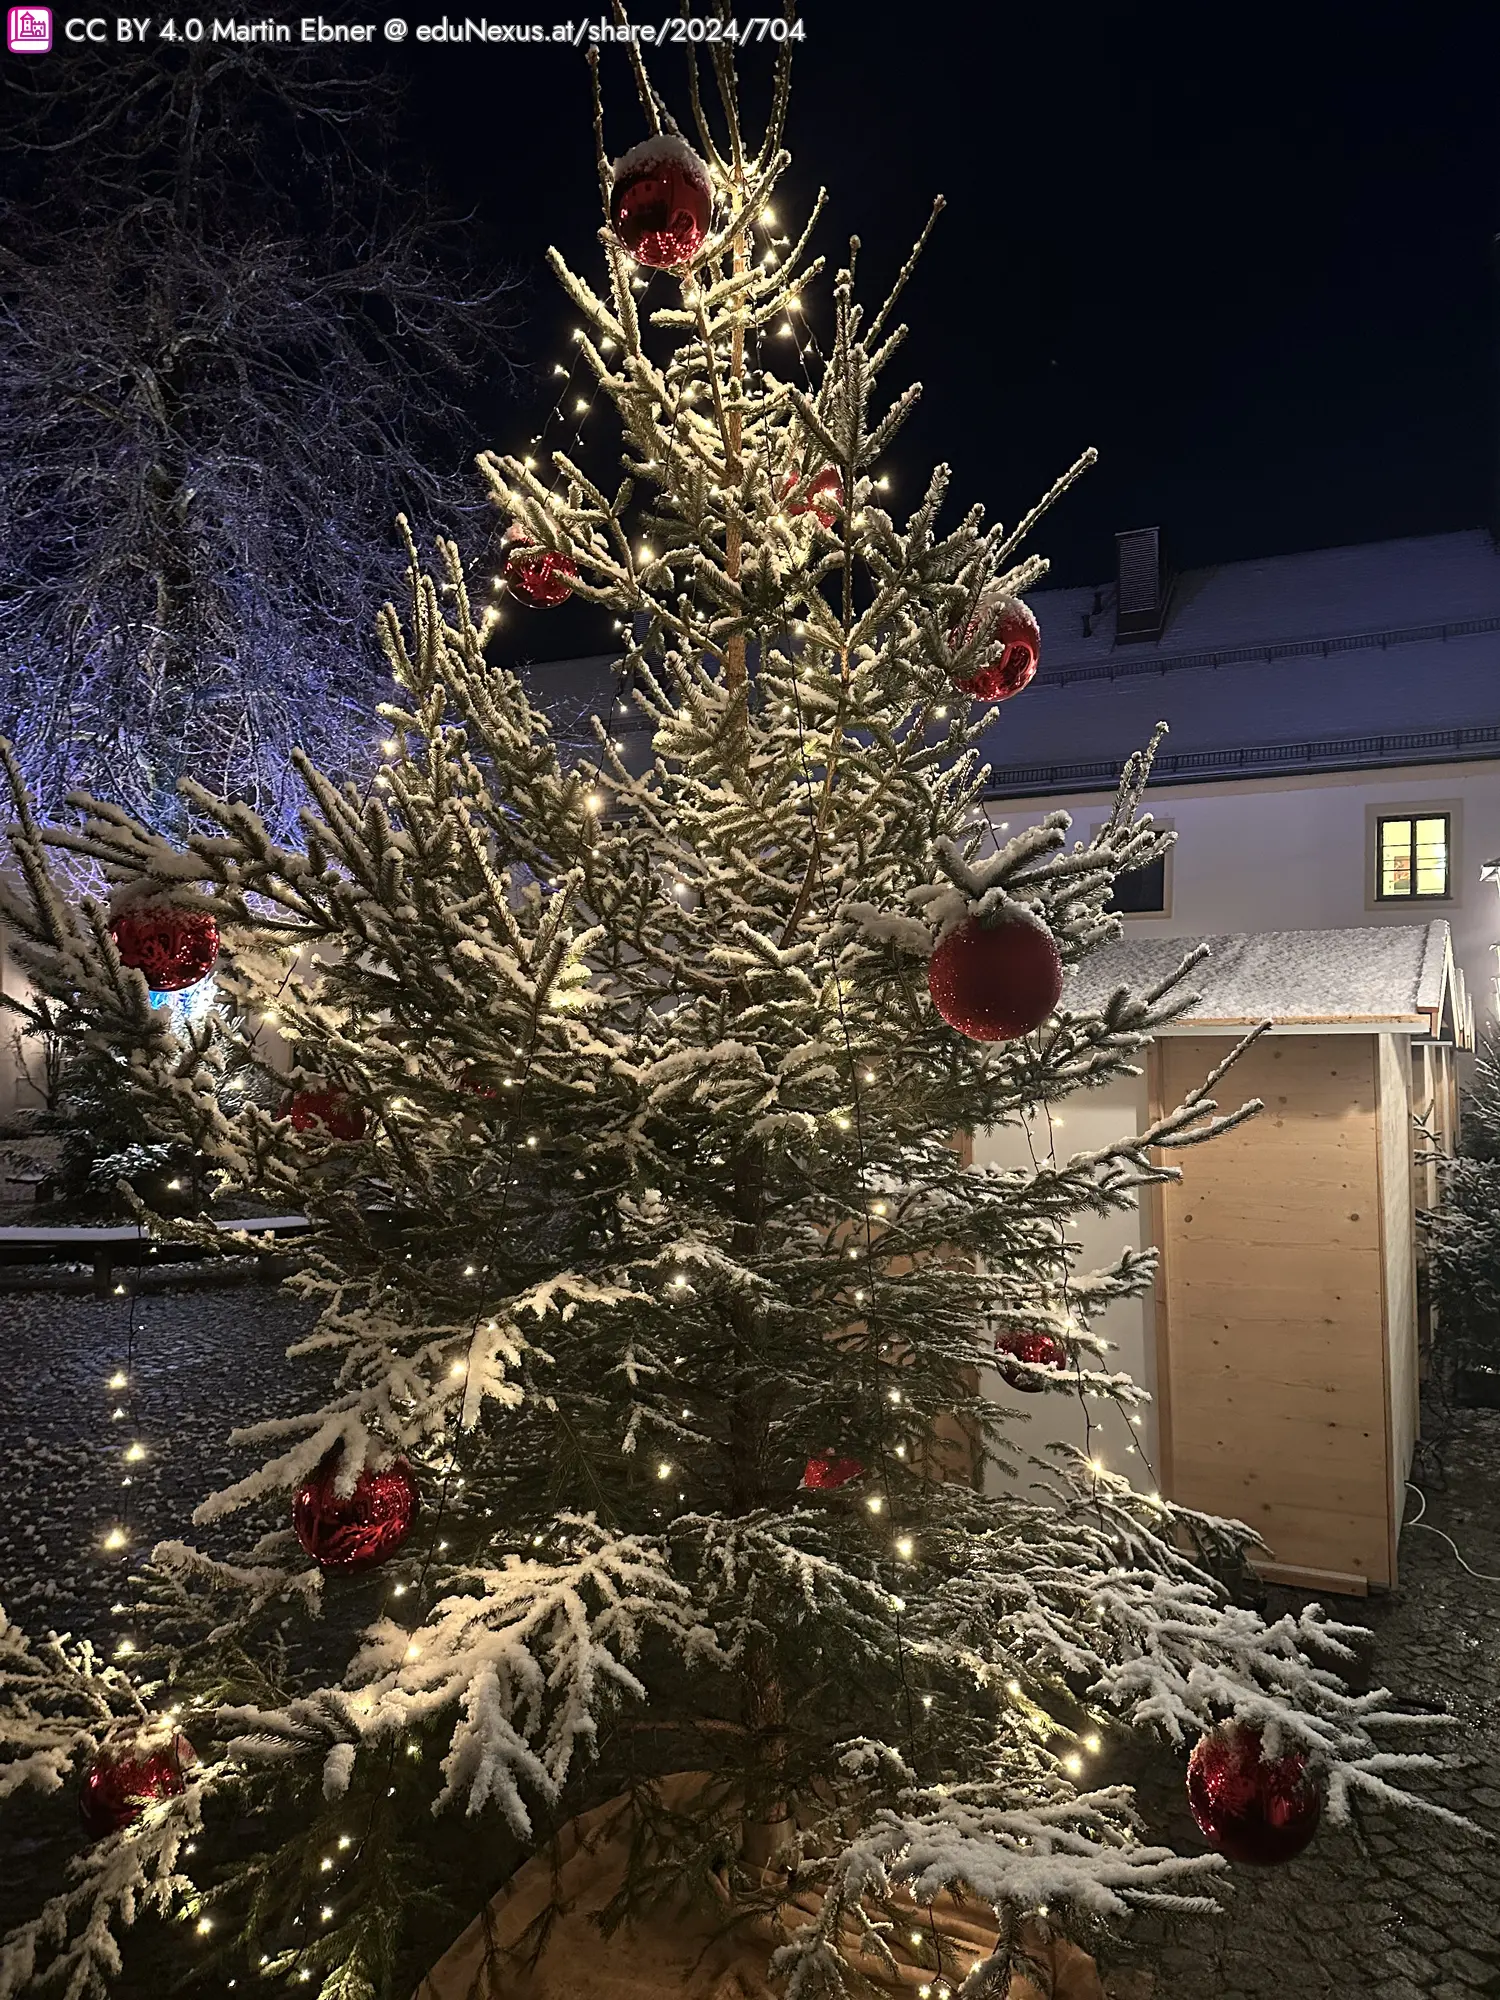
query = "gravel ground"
{"x": 1396, "y": 1907}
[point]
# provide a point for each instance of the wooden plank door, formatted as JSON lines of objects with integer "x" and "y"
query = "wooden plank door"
{"x": 1273, "y": 1345}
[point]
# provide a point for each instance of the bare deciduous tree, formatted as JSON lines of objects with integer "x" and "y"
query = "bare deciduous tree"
{"x": 237, "y": 339}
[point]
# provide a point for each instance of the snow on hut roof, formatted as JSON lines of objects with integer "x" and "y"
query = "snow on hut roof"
{"x": 1333, "y": 659}
{"x": 1394, "y": 977}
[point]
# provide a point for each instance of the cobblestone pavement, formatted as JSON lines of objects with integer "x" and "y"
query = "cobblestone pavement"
{"x": 1395, "y": 1907}
{"x": 1398, "y": 1906}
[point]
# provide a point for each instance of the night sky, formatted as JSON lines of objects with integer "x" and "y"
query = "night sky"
{"x": 1247, "y": 257}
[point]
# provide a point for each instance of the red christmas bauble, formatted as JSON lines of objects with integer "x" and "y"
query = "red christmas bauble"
{"x": 537, "y": 576}
{"x": 823, "y": 495}
{"x": 174, "y": 948}
{"x": 361, "y": 1530}
{"x": 1038, "y": 1348}
{"x": 339, "y": 1116}
{"x": 1012, "y": 646}
{"x": 125, "y": 1778}
{"x": 660, "y": 201}
{"x": 827, "y": 1473}
{"x": 995, "y": 981}
{"x": 1250, "y": 1809}
{"x": 473, "y": 1081}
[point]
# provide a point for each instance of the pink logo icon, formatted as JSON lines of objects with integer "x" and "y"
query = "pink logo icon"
{"x": 28, "y": 31}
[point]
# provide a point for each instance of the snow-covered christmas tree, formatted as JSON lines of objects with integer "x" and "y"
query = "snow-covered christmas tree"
{"x": 656, "y": 1294}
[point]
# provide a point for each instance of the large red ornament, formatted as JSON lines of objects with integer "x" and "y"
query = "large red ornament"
{"x": 823, "y": 495}
{"x": 827, "y": 1474}
{"x": 660, "y": 201}
{"x": 361, "y": 1530}
{"x": 1041, "y": 1349}
{"x": 124, "y": 1778}
{"x": 537, "y": 576}
{"x": 174, "y": 948}
{"x": 1011, "y": 648}
{"x": 339, "y": 1116}
{"x": 1250, "y": 1809}
{"x": 995, "y": 981}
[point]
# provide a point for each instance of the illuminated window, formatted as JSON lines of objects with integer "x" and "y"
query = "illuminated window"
{"x": 1412, "y": 858}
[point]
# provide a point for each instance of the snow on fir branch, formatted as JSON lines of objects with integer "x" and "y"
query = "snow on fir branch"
{"x": 532, "y": 1659}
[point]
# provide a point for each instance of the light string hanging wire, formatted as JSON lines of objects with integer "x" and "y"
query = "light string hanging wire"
{"x": 125, "y": 1379}
{"x": 1136, "y": 1447}
{"x": 451, "y": 1477}
{"x": 902, "y": 1545}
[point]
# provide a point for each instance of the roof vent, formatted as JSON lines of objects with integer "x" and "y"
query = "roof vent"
{"x": 1145, "y": 585}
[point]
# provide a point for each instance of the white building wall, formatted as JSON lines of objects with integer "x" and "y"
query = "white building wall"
{"x": 1087, "y": 1120}
{"x": 1295, "y": 853}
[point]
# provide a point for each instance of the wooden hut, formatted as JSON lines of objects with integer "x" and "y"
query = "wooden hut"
{"x": 1281, "y": 1345}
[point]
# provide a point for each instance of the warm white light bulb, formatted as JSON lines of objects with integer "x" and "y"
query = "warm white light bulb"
{"x": 115, "y": 1539}
{"x": 459, "y": 1368}
{"x": 119, "y": 1379}
{"x": 874, "y": 1503}
{"x": 664, "y": 1470}
{"x": 906, "y": 1548}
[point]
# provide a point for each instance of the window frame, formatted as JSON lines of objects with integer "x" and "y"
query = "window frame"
{"x": 1167, "y": 824}
{"x": 1409, "y": 812}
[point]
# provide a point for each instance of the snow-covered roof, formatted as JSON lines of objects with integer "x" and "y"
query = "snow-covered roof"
{"x": 1391, "y": 977}
{"x": 1382, "y": 654}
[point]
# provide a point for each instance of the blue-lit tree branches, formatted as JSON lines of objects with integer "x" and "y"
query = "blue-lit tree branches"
{"x": 237, "y": 342}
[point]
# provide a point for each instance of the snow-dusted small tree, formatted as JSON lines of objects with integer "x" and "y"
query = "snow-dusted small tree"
{"x": 1463, "y": 1231}
{"x": 656, "y": 1202}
